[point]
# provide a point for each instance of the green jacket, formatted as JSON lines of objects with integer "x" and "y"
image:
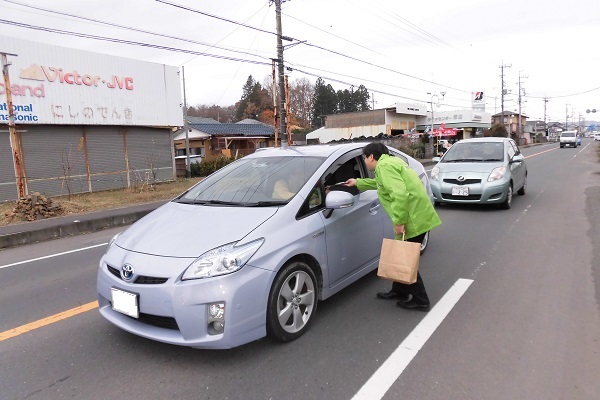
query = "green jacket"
{"x": 402, "y": 195}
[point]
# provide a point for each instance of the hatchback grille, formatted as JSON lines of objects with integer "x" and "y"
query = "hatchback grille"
{"x": 465, "y": 182}
{"x": 140, "y": 280}
{"x": 447, "y": 196}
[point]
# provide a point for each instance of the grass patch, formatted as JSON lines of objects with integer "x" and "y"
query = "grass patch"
{"x": 87, "y": 202}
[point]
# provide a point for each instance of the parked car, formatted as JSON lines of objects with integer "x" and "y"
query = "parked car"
{"x": 597, "y": 136}
{"x": 480, "y": 171}
{"x": 249, "y": 251}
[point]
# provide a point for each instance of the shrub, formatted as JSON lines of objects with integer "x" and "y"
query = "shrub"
{"x": 207, "y": 167}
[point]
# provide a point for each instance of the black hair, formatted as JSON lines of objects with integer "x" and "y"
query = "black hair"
{"x": 375, "y": 149}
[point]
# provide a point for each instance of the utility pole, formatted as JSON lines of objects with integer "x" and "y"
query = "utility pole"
{"x": 521, "y": 93}
{"x": 275, "y": 107}
{"x": 282, "y": 100}
{"x": 188, "y": 167}
{"x": 546, "y": 100}
{"x": 503, "y": 91}
{"x": 566, "y": 117}
{"x": 15, "y": 138}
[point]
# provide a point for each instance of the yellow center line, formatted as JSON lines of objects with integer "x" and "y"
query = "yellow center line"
{"x": 541, "y": 152}
{"x": 47, "y": 321}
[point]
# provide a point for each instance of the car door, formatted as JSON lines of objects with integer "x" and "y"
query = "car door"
{"x": 353, "y": 235}
{"x": 517, "y": 165}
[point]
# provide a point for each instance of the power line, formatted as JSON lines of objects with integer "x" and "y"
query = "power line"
{"x": 332, "y": 34}
{"x": 307, "y": 44}
{"x": 129, "y": 42}
{"x": 128, "y": 27}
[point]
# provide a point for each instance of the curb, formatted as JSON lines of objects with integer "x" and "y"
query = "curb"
{"x": 43, "y": 230}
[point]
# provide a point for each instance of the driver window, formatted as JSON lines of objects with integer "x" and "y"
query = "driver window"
{"x": 335, "y": 178}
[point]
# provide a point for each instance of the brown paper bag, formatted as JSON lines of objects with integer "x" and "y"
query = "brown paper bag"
{"x": 399, "y": 261}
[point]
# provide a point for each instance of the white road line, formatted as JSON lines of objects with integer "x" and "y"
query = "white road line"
{"x": 52, "y": 255}
{"x": 392, "y": 368}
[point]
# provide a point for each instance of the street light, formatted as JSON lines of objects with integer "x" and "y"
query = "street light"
{"x": 433, "y": 94}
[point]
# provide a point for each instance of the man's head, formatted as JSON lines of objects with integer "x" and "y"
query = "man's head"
{"x": 372, "y": 152}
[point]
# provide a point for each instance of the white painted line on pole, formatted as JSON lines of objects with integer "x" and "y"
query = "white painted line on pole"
{"x": 377, "y": 386}
{"x": 53, "y": 255}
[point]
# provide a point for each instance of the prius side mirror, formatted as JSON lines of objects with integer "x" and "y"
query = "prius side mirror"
{"x": 338, "y": 199}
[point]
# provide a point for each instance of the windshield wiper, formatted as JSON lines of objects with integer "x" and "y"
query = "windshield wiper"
{"x": 208, "y": 202}
{"x": 492, "y": 159}
{"x": 264, "y": 204}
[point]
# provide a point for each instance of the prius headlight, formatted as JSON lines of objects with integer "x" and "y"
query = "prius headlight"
{"x": 497, "y": 173}
{"x": 222, "y": 260}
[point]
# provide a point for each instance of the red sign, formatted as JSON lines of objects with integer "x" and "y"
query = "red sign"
{"x": 443, "y": 131}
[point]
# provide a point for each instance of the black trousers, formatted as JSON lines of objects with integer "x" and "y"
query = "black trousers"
{"x": 417, "y": 289}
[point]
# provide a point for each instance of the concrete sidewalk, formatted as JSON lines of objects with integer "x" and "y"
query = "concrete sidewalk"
{"x": 59, "y": 227}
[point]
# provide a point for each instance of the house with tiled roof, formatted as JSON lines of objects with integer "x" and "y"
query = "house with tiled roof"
{"x": 212, "y": 140}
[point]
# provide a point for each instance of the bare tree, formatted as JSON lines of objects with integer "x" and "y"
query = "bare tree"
{"x": 301, "y": 97}
{"x": 70, "y": 159}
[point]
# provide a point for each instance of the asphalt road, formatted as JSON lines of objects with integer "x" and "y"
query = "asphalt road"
{"x": 527, "y": 327}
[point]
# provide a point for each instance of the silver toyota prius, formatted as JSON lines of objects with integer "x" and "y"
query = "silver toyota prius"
{"x": 248, "y": 251}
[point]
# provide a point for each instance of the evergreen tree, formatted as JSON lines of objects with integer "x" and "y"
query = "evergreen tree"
{"x": 324, "y": 103}
{"x": 361, "y": 99}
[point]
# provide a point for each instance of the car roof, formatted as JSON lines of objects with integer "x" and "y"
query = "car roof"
{"x": 316, "y": 150}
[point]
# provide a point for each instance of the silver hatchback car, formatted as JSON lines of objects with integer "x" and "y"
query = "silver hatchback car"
{"x": 480, "y": 171}
{"x": 248, "y": 251}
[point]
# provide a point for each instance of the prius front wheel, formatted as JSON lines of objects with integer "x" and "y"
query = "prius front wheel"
{"x": 292, "y": 302}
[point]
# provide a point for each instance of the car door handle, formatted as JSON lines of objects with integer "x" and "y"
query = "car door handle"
{"x": 374, "y": 208}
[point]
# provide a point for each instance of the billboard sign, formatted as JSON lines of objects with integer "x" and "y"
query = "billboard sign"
{"x": 57, "y": 85}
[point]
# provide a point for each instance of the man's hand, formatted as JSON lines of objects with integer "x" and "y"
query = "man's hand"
{"x": 398, "y": 229}
{"x": 350, "y": 182}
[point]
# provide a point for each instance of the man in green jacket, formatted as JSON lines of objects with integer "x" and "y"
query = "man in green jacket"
{"x": 406, "y": 201}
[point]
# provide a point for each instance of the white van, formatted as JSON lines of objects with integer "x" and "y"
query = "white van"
{"x": 568, "y": 138}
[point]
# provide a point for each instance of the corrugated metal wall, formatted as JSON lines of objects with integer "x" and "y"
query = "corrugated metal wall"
{"x": 8, "y": 185}
{"x": 59, "y": 160}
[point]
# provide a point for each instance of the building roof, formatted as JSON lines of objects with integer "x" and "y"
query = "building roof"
{"x": 235, "y": 129}
{"x": 515, "y": 113}
{"x": 251, "y": 121}
{"x": 201, "y": 120}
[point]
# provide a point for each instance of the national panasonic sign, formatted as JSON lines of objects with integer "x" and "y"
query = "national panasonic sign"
{"x": 55, "y": 85}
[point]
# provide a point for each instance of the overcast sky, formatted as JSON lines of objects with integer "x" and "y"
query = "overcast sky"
{"x": 399, "y": 50}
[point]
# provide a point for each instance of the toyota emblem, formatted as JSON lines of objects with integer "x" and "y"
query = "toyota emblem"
{"x": 460, "y": 178}
{"x": 127, "y": 272}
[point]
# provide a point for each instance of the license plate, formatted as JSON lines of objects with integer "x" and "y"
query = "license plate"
{"x": 460, "y": 191}
{"x": 125, "y": 302}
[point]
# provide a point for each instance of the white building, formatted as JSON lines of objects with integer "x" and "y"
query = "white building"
{"x": 84, "y": 121}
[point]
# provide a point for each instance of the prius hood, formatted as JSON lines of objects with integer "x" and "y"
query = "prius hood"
{"x": 187, "y": 230}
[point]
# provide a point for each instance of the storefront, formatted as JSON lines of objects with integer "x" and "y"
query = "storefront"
{"x": 84, "y": 121}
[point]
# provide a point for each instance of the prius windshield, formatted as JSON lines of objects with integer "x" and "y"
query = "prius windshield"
{"x": 254, "y": 181}
{"x": 475, "y": 152}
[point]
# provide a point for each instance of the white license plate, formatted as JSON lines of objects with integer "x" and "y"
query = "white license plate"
{"x": 125, "y": 302}
{"x": 460, "y": 191}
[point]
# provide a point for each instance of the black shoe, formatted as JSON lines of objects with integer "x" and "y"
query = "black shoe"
{"x": 392, "y": 295}
{"x": 411, "y": 305}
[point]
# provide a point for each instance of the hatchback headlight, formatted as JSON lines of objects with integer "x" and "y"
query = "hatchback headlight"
{"x": 222, "y": 260}
{"x": 435, "y": 174}
{"x": 497, "y": 173}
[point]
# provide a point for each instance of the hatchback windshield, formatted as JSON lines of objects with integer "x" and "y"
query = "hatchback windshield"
{"x": 475, "y": 152}
{"x": 254, "y": 182}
